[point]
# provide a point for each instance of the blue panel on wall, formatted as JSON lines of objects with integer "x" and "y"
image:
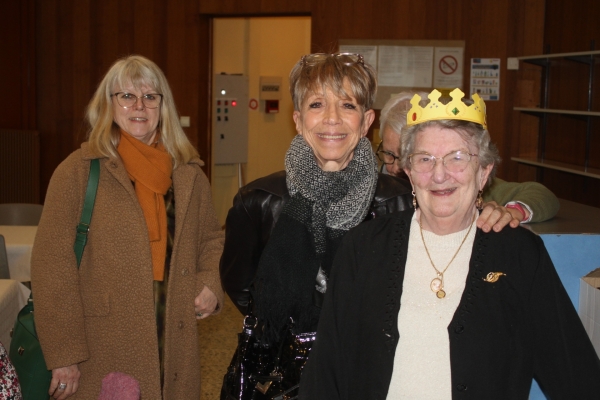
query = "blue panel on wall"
{"x": 573, "y": 255}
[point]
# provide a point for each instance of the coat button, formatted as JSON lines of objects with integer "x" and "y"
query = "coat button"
{"x": 459, "y": 329}
{"x": 184, "y": 272}
{"x": 180, "y": 325}
{"x": 461, "y": 387}
{"x": 113, "y": 164}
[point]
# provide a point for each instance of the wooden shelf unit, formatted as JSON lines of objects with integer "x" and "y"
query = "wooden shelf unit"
{"x": 535, "y": 59}
{"x": 553, "y": 111}
{"x": 545, "y": 61}
{"x": 573, "y": 169}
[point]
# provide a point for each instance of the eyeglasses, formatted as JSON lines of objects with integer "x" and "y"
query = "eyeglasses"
{"x": 455, "y": 161}
{"x": 345, "y": 58}
{"x": 385, "y": 156}
{"x": 127, "y": 100}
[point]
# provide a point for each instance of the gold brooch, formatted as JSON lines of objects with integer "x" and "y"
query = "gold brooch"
{"x": 493, "y": 276}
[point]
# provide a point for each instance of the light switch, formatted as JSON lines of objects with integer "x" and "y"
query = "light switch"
{"x": 512, "y": 63}
{"x": 184, "y": 121}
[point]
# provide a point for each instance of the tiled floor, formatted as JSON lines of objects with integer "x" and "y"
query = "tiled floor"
{"x": 218, "y": 340}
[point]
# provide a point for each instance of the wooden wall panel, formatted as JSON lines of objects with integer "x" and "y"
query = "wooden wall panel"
{"x": 183, "y": 64}
{"x": 83, "y": 87}
{"x": 527, "y": 38}
{"x": 19, "y": 166}
{"x": 254, "y": 7}
{"x": 571, "y": 27}
{"x": 17, "y": 69}
{"x": 47, "y": 89}
{"x": 78, "y": 40}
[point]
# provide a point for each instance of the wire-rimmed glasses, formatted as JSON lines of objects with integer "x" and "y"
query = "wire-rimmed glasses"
{"x": 345, "y": 58}
{"x": 385, "y": 156}
{"x": 127, "y": 100}
{"x": 455, "y": 161}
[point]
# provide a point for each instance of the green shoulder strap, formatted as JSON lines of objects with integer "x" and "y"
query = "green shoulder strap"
{"x": 88, "y": 206}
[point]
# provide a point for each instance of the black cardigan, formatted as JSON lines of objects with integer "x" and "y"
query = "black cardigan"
{"x": 255, "y": 211}
{"x": 501, "y": 336}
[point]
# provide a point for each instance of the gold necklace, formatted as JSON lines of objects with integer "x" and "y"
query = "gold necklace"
{"x": 437, "y": 284}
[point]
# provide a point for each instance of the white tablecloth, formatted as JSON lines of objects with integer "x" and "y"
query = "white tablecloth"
{"x": 19, "y": 242}
{"x": 13, "y": 296}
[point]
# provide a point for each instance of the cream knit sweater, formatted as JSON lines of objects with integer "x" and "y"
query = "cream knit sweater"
{"x": 422, "y": 360}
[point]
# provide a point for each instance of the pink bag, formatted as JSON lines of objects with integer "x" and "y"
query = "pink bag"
{"x": 119, "y": 386}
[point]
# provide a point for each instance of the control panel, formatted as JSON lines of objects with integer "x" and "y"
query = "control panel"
{"x": 230, "y": 119}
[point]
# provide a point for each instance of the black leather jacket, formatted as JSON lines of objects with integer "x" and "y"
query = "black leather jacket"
{"x": 254, "y": 214}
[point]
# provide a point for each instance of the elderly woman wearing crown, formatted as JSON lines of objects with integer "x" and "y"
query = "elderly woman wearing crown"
{"x": 423, "y": 305}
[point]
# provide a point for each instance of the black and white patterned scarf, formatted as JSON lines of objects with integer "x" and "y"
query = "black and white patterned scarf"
{"x": 340, "y": 199}
{"x": 323, "y": 206}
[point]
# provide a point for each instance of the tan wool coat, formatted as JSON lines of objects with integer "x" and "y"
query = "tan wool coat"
{"x": 102, "y": 316}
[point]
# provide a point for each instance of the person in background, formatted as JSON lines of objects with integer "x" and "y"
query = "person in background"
{"x": 284, "y": 229}
{"x": 150, "y": 267}
{"x": 527, "y": 202}
{"x": 423, "y": 305}
{"x": 9, "y": 381}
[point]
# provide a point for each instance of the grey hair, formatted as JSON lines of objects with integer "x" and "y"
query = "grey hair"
{"x": 393, "y": 114}
{"x": 474, "y": 134}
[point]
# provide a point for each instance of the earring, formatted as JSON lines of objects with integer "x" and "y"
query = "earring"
{"x": 479, "y": 201}
{"x": 415, "y": 204}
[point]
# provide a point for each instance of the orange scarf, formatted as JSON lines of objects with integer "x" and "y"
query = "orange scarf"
{"x": 150, "y": 168}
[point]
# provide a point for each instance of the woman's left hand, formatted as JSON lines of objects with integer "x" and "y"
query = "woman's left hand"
{"x": 494, "y": 216}
{"x": 205, "y": 303}
{"x": 65, "y": 382}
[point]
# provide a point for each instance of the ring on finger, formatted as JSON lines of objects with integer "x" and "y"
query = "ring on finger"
{"x": 199, "y": 314}
{"x": 62, "y": 386}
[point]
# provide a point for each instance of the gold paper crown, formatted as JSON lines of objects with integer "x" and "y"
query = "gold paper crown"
{"x": 455, "y": 109}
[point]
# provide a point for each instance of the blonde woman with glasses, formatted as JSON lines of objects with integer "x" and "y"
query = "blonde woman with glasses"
{"x": 150, "y": 266}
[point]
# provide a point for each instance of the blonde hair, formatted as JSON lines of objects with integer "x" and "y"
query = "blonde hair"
{"x": 330, "y": 70}
{"x": 104, "y": 133}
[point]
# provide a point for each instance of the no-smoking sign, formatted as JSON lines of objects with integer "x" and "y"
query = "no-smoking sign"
{"x": 448, "y": 65}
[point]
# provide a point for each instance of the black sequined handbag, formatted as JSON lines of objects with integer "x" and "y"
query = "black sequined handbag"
{"x": 251, "y": 362}
{"x": 262, "y": 372}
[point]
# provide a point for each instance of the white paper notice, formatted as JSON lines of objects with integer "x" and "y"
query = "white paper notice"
{"x": 405, "y": 66}
{"x": 485, "y": 78}
{"x": 368, "y": 52}
{"x": 448, "y": 67}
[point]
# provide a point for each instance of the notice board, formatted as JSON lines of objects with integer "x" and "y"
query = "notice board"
{"x": 410, "y": 64}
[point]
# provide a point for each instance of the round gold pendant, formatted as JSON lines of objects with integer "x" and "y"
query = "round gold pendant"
{"x": 441, "y": 294}
{"x": 436, "y": 285}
